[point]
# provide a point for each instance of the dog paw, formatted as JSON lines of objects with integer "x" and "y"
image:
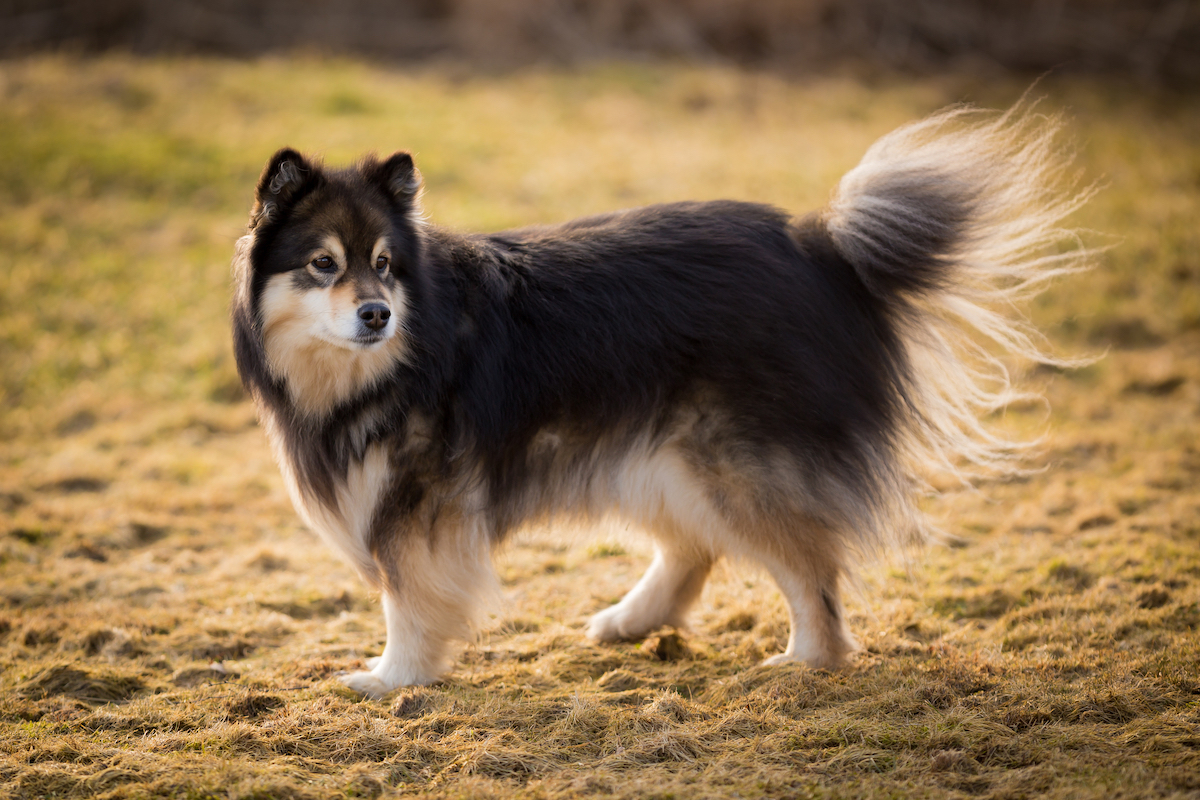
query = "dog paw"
{"x": 366, "y": 684}
{"x": 602, "y": 627}
{"x": 781, "y": 659}
{"x": 614, "y": 625}
{"x": 813, "y": 662}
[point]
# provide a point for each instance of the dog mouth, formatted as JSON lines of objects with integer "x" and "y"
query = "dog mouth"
{"x": 366, "y": 340}
{"x": 359, "y": 340}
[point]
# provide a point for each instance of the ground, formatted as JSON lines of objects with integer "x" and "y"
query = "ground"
{"x": 169, "y": 629}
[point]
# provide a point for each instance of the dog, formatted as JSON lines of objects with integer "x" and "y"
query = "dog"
{"x": 729, "y": 378}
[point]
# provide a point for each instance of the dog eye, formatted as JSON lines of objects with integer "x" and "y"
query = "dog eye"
{"x": 324, "y": 264}
{"x": 381, "y": 264}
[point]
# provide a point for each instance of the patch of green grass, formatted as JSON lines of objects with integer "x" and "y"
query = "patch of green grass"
{"x": 168, "y": 629}
{"x": 605, "y": 550}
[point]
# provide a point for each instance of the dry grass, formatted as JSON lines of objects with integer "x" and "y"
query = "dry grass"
{"x": 168, "y": 629}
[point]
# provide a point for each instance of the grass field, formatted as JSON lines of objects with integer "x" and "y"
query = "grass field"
{"x": 168, "y": 629}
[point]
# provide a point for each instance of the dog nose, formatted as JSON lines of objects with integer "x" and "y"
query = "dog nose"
{"x": 374, "y": 315}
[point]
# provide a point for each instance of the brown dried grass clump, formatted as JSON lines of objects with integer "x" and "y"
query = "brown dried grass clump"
{"x": 88, "y": 686}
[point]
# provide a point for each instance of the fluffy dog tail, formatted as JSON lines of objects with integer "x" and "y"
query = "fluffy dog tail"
{"x": 951, "y": 221}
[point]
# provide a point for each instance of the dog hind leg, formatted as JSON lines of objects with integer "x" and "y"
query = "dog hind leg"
{"x": 662, "y": 596}
{"x": 819, "y": 636}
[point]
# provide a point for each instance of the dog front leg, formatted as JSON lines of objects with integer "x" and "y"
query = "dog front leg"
{"x": 429, "y": 600}
{"x": 414, "y": 654}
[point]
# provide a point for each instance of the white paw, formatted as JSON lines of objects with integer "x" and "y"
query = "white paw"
{"x": 617, "y": 624}
{"x": 782, "y": 658}
{"x": 374, "y": 662}
{"x": 366, "y": 683}
{"x": 812, "y": 661}
{"x": 602, "y": 627}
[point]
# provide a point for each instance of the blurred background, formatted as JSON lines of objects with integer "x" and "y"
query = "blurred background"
{"x": 1155, "y": 40}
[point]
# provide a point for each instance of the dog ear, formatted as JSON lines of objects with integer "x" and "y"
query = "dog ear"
{"x": 286, "y": 175}
{"x": 399, "y": 177}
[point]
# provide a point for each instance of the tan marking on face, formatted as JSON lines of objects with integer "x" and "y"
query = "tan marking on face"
{"x": 333, "y": 246}
{"x": 344, "y": 299}
{"x": 328, "y": 262}
{"x": 308, "y": 334}
{"x": 382, "y": 247}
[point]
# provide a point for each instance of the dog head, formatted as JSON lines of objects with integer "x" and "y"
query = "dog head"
{"x": 328, "y": 266}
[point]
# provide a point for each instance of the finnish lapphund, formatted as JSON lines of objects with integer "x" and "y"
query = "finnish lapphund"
{"x": 729, "y": 378}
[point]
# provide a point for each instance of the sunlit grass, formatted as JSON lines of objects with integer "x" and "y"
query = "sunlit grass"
{"x": 146, "y": 535}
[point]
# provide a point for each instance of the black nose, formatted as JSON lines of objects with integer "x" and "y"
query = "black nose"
{"x": 374, "y": 315}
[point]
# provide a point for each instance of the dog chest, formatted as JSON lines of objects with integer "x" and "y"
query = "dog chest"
{"x": 343, "y": 521}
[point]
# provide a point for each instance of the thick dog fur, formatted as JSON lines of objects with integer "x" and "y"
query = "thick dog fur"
{"x": 730, "y": 379}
